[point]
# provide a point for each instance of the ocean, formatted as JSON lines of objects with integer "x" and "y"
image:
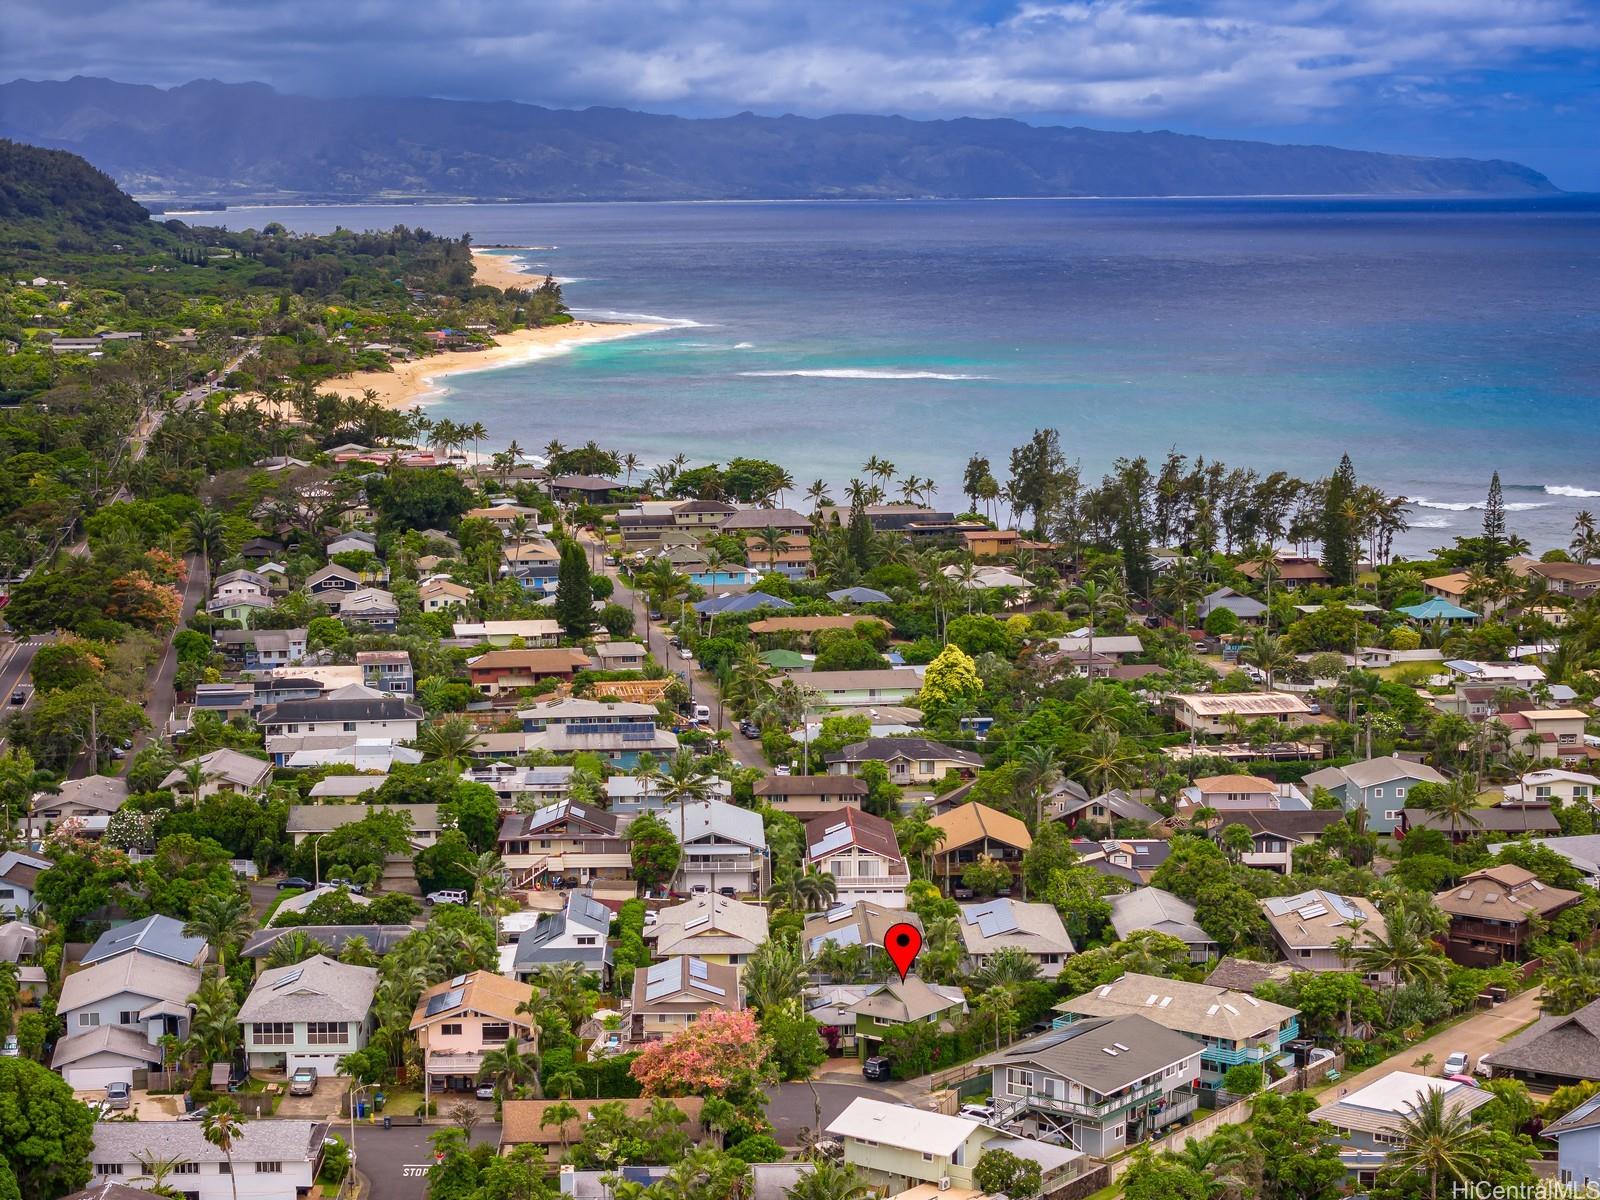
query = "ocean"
{"x": 1434, "y": 340}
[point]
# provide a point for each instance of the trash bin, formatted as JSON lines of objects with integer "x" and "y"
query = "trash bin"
{"x": 386, "y": 1123}
{"x": 361, "y": 1109}
{"x": 379, "y": 1100}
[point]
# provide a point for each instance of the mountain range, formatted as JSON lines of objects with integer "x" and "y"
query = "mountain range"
{"x": 219, "y": 141}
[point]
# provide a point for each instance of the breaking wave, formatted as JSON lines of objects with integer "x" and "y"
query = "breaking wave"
{"x": 858, "y": 373}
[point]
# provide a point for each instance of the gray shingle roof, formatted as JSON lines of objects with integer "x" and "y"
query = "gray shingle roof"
{"x": 1567, "y": 1047}
{"x": 156, "y": 935}
{"x": 1138, "y": 1046}
{"x": 318, "y": 989}
{"x": 258, "y": 1141}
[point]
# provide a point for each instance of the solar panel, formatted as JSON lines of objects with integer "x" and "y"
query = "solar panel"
{"x": 712, "y": 988}
{"x": 697, "y": 923}
{"x": 291, "y": 977}
{"x": 445, "y": 1000}
{"x": 1231, "y": 1009}
{"x": 1315, "y": 910}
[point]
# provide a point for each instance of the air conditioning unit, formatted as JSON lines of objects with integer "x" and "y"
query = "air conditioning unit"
{"x": 944, "y": 1183}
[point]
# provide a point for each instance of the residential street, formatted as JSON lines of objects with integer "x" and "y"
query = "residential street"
{"x": 14, "y": 664}
{"x": 384, "y": 1155}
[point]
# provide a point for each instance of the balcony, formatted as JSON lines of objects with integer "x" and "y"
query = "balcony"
{"x": 1253, "y": 1053}
{"x": 1009, "y": 1108}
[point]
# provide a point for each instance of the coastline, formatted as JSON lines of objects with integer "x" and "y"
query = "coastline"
{"x": 413, "y": 381}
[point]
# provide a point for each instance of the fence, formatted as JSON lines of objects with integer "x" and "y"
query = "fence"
{"x": 954, "y": 1075}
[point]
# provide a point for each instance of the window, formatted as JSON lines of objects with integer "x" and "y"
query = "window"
{"x": 108, "y": 1168}
{"x": 450, "y": 1030}
{"x": 272, "y": 1033}
{"x": 326, "y": 1033}
{"x": 1118, "y": 1132}
{"x": 269, "y": 1168}
{"x": 225, "y": 1168}
{"x": 926, "y": 1157}
{"x": 349, "y": 726}
{"x": 497, "y": 1031}
{"x": 128, "y": 1017}
{"x": 1377, "y": 793}
{"x": 1392, "y": 814}
{"x": 186, "y": 1168}
{"x": 1400, "y": 793}
{"x": 587, "y": 939}
{"x": 1305, "y": 954}
{"x": 6, "y": 893}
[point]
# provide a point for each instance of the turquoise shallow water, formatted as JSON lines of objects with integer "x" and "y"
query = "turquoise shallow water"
{"x": 1436, "y": 341}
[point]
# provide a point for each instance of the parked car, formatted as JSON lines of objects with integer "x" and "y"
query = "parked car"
{"x": 485, "y": 1091}
{"x": 1457, "y": 1064}
{"x": 119, "y": 1096}
{"x": 303, "y": 1082}
{"x": 349, "y": 885}
{"x": 685, "y": 653}
{"x": 978, "y": 1112}
{"x": 782, "y": 769}
{"x": 294, "y": 881}
{"x": 702, "y": 712}
{"x": 876, "y": 1067}
{"x": 12, "y": 1048}
{"x": 750, "y": 729}
{"x": 447, "y": 896}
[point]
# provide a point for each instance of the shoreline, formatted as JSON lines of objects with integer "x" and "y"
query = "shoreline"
{"x": 416, "y": 381}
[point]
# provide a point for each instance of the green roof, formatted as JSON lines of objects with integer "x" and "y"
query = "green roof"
{"x": 1435, "y": 609}
{"x": 785, "y": 660}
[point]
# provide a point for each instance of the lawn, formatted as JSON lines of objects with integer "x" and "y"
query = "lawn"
{"x": 286, "y": 894}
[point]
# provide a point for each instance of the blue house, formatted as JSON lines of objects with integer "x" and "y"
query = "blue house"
{"x": 1380, "y": 785}
{"x": 1577, "y": 1134}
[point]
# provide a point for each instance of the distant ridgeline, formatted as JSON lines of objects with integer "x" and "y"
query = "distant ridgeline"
{"x": 185, "y": 143}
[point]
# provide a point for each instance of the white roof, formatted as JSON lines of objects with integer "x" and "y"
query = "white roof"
{"x": 903, "y": 1128}
{"x": 1398, "y": 1092}
{"x": 712, "y": 817}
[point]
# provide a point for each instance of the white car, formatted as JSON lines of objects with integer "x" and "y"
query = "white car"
{"x": 1457, "y": 1064}
{"x": 978, "y": 1112}
{"x": 447, "y": 896}
{"x": 685, "y": 653}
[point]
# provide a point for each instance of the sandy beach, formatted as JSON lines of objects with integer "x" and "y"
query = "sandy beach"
{"x": 409, "y": 382}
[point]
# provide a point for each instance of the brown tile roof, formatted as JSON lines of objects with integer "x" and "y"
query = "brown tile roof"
{"x": 809, "y": 624}
{"x": 866, "y": 831}
{"x": 1504, "y": 893}
{"x": 483, "y": 992}
{"x": 520, "y": 1119}
{"x": 811, "y": 785}
{"x": 547, "y": 659}
{"x": 971, "y": 822}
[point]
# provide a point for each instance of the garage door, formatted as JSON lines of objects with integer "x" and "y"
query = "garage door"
{"x": 324, "y": 1063}
{"x": 87, "y": 1079}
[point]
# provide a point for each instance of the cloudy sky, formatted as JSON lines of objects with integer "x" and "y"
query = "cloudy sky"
{"x": 1515, "y": 79}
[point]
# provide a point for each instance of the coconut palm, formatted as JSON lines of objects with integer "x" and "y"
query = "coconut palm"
{"x": 213, "y": 1022}
{"x": 774, "y": 976}
{"x": 157, "y": 1168}
{"x": 509, "y": 1068}
{"x": 817, "y": 493}
{"x": 450, "y": 742}
{"x": 221, "y": 1127}
{"x": 1268, "y": 654}
{"x": 560, "y": 1115}
{"x": 1107, "y": 760}
{"x": 207, "y": 536}
{"x": 223, "y": 920}
{"x": 1440, "y": 1142}
{"x": 1456, "y": 803}
{"x": 1098, "y": 601}
{"x": 828, "y": 1180}
{"x": 1571, "y": 979}
{"x": 293, "y": 947}
{"x": 1037, "y": 772}
{"x": 1405, "y": 952}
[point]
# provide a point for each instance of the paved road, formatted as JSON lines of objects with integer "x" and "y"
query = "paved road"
{"x": 15, "y": 662}
{"x": 745, "y": 751}
{"x": 1477, "y": 1036}
{"x": 383, "y": 1155}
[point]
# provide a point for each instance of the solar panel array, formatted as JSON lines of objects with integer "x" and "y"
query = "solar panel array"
{"x": 444, "y": 1001}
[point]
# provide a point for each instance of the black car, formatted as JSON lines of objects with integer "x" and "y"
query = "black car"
{"x": 20, "y": 696}
{"x": 749, "y": 729}
{"x": 876, "y": 1067}
{"x": 294, "y": 881}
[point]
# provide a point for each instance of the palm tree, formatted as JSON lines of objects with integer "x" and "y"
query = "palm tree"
{"x": 1265, "y": 561}
{"x": 817, "y": 493}
{"x": 293, "y": 947}
{"x": 1404, "y": 951}
{"x": 1268, "y": 654}
{"x": 630, "y": 464}
{"x": 509, "y": 1067}
{"x": 774, "y": 977}
{"x": 1571, "y": 979}
{"x": 828, "y": 1180}
{"x": 1107, "y": 761}
{"x": 1037, "y": 772}
{"x": 450, "y": 741}
{"x": 1456, "y": 803}
{"x": 1439, "y": 1142}
{"x": 157, "y": 1168}
{"x": 222, "y": 920}
{"x": 213, "y": 1022}
{"x": 477, "y": 433}
{"x": 1181, "y": 587}
{"x": 207, "y": 536}
{"x": 772, "y": 543}
{"x": 559, "y": 1114}
{"x": 488, "y": 873}
{"x": 1098, "y": 602}
{"x": 221, "y": 1127}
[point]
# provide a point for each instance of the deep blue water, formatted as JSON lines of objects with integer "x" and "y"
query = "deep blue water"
{"x": 1436, "y": 341}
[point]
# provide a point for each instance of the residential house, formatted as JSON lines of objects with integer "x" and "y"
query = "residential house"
{"x": 457, "y": 1021}
{"x": 371, "y": 608}
{"x": 671, "y": 995}
{"x": 310, "y": 1014}
{"x": 534, "y": 634}
{"x": 861, "y": 854}
{"x": 1246, "y": 608}
{"x": 859, "y": 924}
{"x": 629, "y": 795}
{"x": 499, "y": 671}
{"x": 387, "y": 671}
{"x": 1134, "y": 860}
{"x": 578, "y": 716}
{"x": 505, "y": 517}
{"x": 712, "y": 927}
{"x": 1034, "y": 929}
{"x": 972, "y": 832}
{"x": 1502, "y": 818}
{"x": 236, "y": 584}
{"x": 357, "y": 713}
{"x": 746, "y": 522}
{"x": 341, "y": 789}
{"x": 222, "y": 772}
{"x": 1490, "y": 913}
{"x": 897, "y": 1147}
{"x": 1161, "y": 911}
{"x": 523, "y": 1123}
{"x": 259, "y": 549}
{"x": 1379, "y": 785}
{"x": 1230, "y": 793}
{"x": 156, "y": 935}
{"x": 266, "y": 1160}
{"x": 1576, "y": 1134}
{"x": 1367, "y": 1122}
{"x": 861, "y": 689}
{"x": 331, "y": 585}
{"x": 1312, "y": 929}
{"x": 354, "y": 541}
{"x": 380, "y": 939}
{"x": 581, "y": 489}
{"x": 116, "y": 1012}
{"x": 808, "y": 796}
{"x": 1553, "y": 1052}
{"x": 243, "y": 609}
{"x": 19, "y": 879}
{"x": 536, "y": 566}
{"x": 1070, "y": 804}
{"x": 513, "y": 784}
{"x": 439, "y": 593}
{"x": 314, "y": 820}
{"x": 1582, "y": 851}
{"x": 860, "y": 595}
{"x": 811, "y": 626}
{"x": 259, "y": 649}
{"x": 564, "y": 840}
{"x": 1553, "y": 785}
{"x": 734, "y": 603}
{"x": 1231, "y": 1027}
{"x": 1216, "y": 713}
{"x": 325, "y": 750}
{"x": 81, "y": 805}
{"x": 619, "y": 745}
{"x": 905, "y": 1001}
{"x": 620, "y": 656}
{"x": 792, "y": 557}
{"x": 576, "y": 933}
{"x": 1275, "y": 834}
{"x": 723, "y": 846}
{"x": 910, "y": 761}
{"x": 1291, "y": 573}
{"x": 1578, "y": 580}
{"x": 1550, "y": 734}
{"x": 1100, "y": 1085}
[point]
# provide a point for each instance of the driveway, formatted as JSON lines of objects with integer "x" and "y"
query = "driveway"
{"x": 321, "y": 1105}
{"x": 790, "y": 1107}
{"x": 385, "y": 1156}
{"x": 1478, "y": 1035}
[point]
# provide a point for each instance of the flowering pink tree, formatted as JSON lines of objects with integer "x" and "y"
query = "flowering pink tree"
{"x": 721, "y": 1054}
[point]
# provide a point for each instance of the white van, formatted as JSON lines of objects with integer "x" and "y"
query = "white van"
{"x": 702, "y": 713}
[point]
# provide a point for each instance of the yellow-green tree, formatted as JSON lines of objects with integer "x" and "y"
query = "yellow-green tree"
{"x": 950, "y": 679}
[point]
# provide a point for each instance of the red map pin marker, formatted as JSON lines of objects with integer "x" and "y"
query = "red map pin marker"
{"x": 904, "y": 943}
